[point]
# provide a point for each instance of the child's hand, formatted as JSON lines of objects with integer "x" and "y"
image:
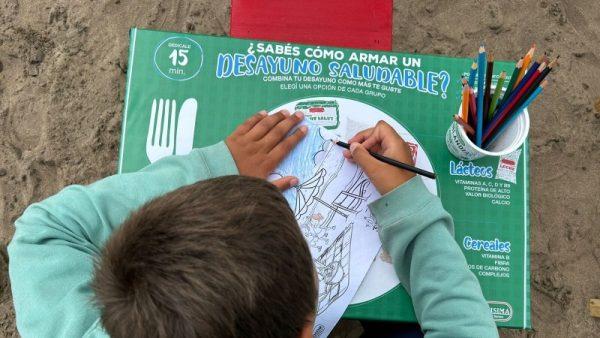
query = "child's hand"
{"x": 384, "y": 140}
{"x": 260, "y": 144}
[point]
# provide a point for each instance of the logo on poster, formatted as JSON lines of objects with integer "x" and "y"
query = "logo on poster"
{"x": 178, "y": 58}
{"x": 501, "y": 311}
{"x": 325, "y": 113}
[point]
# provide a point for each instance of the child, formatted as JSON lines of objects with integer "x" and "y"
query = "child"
{"x": 182, "y": 248}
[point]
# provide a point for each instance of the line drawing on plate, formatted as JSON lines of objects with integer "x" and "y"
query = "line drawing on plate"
{"x": 333, "y": 269}
{"x": 315, "y": 215}
{"x": 355, "y": 193}
{"x": 370, "y": 222}
{"x": 318, "y": 215}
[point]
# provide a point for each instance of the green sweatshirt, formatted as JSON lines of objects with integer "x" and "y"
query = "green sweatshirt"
{"x": 57, "y": 240}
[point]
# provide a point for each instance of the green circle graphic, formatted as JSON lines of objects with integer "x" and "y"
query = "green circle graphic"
{"x": 178, "y": 58}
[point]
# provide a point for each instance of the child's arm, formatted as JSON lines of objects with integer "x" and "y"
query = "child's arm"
{"x": 56, "y": 241}
{"x": 418, "y": 234}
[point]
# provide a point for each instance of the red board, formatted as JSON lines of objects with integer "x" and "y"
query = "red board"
{"x": 364, "y": 24}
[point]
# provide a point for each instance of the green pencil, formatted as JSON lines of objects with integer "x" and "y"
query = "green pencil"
{"x": 496, "y": 95}
{"x": 513, "y": 80}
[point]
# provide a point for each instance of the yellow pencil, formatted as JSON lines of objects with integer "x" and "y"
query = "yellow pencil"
{"x": 526, "y": 62}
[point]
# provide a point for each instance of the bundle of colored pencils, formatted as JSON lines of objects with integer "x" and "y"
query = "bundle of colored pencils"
{"x": 486, "y": 114}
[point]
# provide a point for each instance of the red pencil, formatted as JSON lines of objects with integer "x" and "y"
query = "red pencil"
{"x": 468, "y": 129}
{"x": 496, "y": 121}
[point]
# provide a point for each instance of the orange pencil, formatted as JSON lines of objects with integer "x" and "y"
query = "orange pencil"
{"x": 526, "y": 62}
{"x": 465, "y": 104}
{"x": 472, "y": 108}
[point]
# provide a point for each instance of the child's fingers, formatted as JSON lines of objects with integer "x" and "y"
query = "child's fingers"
{"x": 285, "y": 183}
{"x": 361, "y": 156}
{"x": 275, "y": 135}
{"x": 371, "y": 142}
{"x": 250, "y": 123}
{"x": 361, "y": 136}
{"x": 265, "y": 125}
{"x": 284, "y": 147}
{"x": 385, "y": 127}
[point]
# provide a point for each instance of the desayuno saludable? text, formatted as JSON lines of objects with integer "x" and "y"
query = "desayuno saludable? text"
{"x": 274, "y": 59}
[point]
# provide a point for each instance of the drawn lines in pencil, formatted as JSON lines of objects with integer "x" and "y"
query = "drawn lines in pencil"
{"x": 319, "y": 214}
{"x": 333, "y": 269}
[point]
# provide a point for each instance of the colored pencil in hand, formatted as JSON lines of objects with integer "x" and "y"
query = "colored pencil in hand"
{"x": 391, "y": 161}
{"x": 515, "y": 115}
{"x": 473, "y": 74}
{"x": 480, "y": 95}
{"x": 497, "y": 92}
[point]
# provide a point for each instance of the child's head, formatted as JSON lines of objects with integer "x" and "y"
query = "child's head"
{"x": 219, "y": 258}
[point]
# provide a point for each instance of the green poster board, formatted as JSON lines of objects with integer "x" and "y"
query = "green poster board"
{"x": 209, "y": 85}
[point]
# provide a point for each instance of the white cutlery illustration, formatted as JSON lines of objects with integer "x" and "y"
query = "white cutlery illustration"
{"x": 162, "y": 132}
{"x": 185, "y": 127}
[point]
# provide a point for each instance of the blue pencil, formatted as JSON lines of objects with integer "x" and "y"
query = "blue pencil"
{"x": 480, "y": 94}
{"x": 473, "y": 74}
{"x": 516, "y": 114}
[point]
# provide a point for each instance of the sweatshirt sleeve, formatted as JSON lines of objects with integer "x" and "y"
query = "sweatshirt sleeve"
{"x": 56, "y": 241}
{"x": 419, "y": 236}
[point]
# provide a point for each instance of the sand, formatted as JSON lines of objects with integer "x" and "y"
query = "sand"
{"x": 62, "y": 80}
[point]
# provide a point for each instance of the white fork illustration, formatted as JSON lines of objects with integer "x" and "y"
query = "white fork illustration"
{"x": 161, "y": 130}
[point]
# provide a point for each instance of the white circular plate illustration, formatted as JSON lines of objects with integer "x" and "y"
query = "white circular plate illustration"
{"x": 346, "y": 117}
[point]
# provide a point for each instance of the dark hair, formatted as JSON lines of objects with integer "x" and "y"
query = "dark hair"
{"x": 220, "y": 258}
